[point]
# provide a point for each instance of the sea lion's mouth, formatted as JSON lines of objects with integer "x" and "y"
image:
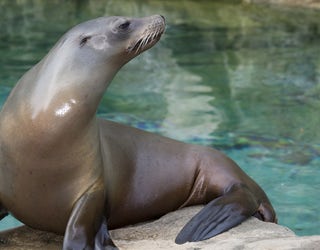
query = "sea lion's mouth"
{"x": 148, "y": 38}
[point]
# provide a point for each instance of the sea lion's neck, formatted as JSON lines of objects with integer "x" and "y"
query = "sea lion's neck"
{"x": 59, "y": 88}
{"x": 55, "y": 98}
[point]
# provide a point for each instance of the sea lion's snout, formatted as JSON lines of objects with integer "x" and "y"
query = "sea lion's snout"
{"x": 148, "y": 34}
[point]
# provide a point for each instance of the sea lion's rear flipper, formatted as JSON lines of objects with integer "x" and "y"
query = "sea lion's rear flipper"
{"x": 219, "y": 215}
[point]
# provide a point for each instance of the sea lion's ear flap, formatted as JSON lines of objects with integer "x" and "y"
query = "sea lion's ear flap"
{"x": 219, "y": 215}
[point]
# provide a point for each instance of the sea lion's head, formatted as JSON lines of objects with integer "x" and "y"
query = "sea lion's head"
{"x": 95, "y": 50}
{"x": 114, "y": 39}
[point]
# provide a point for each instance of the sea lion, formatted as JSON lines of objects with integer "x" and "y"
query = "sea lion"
{"x": 64, "y": 170}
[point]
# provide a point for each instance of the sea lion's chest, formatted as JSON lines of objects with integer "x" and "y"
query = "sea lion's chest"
{"x": 41, "y": 179}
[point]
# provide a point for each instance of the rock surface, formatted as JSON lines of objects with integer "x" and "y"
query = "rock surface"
{"x": 160, "y": 234}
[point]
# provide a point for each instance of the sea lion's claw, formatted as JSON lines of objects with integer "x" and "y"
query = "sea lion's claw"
{"x": 219, "y": 215}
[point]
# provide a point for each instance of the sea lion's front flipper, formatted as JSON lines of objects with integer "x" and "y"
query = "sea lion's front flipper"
{"x": 219, "y": 215}
{"x": 87, "y": 227}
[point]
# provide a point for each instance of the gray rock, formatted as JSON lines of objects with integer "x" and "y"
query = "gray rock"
{"x": 160, "y": 234}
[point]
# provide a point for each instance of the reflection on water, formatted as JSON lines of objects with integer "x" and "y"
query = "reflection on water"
{"x": 248, "y": 85}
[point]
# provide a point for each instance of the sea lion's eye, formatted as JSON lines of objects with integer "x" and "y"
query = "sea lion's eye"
{"x": 124, "y": 25}
{"x": 84, "y": 40}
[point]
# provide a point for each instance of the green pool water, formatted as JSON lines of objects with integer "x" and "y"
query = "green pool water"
{"x": 241, "y": 78}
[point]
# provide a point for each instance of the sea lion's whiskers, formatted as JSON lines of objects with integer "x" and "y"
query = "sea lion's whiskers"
{"x": 146, "y": 39}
